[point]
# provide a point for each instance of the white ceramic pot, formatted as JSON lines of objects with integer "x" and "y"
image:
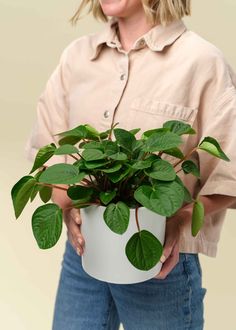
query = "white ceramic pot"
{"x": 104, "y": 255}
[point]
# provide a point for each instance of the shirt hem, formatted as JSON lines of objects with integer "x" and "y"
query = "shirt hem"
{"x": 189, "y": 246}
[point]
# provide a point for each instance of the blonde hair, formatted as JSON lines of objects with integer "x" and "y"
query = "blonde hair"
{"x": 157, "y": 11}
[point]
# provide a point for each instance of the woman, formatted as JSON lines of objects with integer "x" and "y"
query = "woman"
{"x": 144, "y": 68}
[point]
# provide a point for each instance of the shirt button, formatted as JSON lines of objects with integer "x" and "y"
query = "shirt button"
{"x": 122, "y": 77}
{"x": 141, "y": 42}
{"x": 106, "y": 114}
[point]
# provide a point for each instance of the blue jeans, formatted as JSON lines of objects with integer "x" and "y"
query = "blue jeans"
{"x": 85, "y": 303}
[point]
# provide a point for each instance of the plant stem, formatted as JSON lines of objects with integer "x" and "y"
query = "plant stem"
{"x": 136, "y": 217}
{"x": 179, "y": 170}
{"x": 185, "y": 157}
{"x": 51, "y": 185}
{"x": 141, "y": 179}
{"x": 144, "y": 155}
{"x": 88, "y": 184}
{"x": 73, "y": 157}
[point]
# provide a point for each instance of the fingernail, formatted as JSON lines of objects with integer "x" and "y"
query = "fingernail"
{"x": 163, "y": 258}
{"x": 78, "y": 251}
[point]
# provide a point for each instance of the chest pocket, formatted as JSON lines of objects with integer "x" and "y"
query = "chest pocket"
{"x": 148, "y": 114}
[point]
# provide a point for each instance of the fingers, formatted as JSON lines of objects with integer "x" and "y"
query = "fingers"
{"x": 172, "y": 258}
{"x": 75, "y": 214}
{"x": 73, "y": 221}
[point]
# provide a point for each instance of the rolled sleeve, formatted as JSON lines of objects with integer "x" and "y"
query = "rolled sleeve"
{"x": 51, "y": 112}
{"x": 219, "y": 176}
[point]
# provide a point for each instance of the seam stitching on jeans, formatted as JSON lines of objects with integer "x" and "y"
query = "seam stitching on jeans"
{"x": 188, "y": 296}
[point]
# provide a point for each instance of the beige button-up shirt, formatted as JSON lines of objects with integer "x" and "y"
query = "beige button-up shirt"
{"x": 169, "y": 73}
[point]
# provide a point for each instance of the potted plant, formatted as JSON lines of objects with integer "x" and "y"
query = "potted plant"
{"x": 124, "y": 189}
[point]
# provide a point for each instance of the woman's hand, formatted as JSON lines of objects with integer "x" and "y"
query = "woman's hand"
{"x": 171, "y": 247}
{"x": 73, "y": 221}
{"x": 172, "y": 237}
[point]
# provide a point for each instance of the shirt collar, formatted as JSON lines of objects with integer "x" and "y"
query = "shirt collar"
{"x": 156, "y": 38}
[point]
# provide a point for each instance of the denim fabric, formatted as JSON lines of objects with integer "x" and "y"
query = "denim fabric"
{"x": 85, "y": 303}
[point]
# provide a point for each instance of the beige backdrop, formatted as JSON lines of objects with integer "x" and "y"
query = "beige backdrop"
{"x": 33, "y": 35}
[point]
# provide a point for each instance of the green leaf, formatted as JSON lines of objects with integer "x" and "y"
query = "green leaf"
{"x": 66, "y": 149}
{"x": 150, "y": 132}
{"x": 187, "y": 196}
{"x": 21, "y": 192}
{"x": 189, "y": 166}
{"x": 93, "y": 154}
{"x": 197, "y": 217}
{"x": 107, "y": 196}
{"x": 45, "y": 193}
{"x": 118, "y": 156}
{"x": 176, "y": 152}
{"x": 142, "y": 164}
{"x": 143, "y": 195}
{"x": 144, "y": 250}
{"x": 161, "y": 141}
{"x": 43, "y": 155}
{"x": 110, "y": 147}
{"x": 211, "y": 145}
{"x": 47, "y": 225}
{"x": 96, "y": 163}
{"x": 61, "y": 174}
{"x": 124, "y": 138}
{"x": 104, "y": 135}
{"x": 161, "y": 170}
{"x": 112, "y": 169}
{"x": 91, "y": 131}
{"x": 81, "y": 193}
{"x": 93, "y": 145}
{"x": 179, "y": 127}
{"x": 116, "y": 217}
{"x": 163, "y": 198}
{"x": 79, "y": 132}
{"x": 134, "y": 130}
{"x": 119, "y": 175}
{"x": 69, "y": 140}
{"x": 37, "y": 187}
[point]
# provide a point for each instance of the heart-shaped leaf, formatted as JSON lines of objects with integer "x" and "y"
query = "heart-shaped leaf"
{"x": 116, "y": 217}
{"x": 161, "y": 141}
{"x": 47, "y": 225}
{"x": 176, "y": 152}
{"x": 119, "y": 175}
{"x": 81, "y": 193}
{"x": 112, "y": 169}
{"x": 66, "y": 149}
{"x": 61, "y": 174}
{"x": 124, "y": 138}
{"x": 118, "y": 156}
{"x": 107, "y": 196}
{"x": 144, "y": 250}
{"x": 93, "y": 154}
{"x": 164, "y": 198}
{"x": 45, "y": 193}
{"x": 179, "y": 127}
{"x": 161, "y": 170}
{"x": 189, "y": 166}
